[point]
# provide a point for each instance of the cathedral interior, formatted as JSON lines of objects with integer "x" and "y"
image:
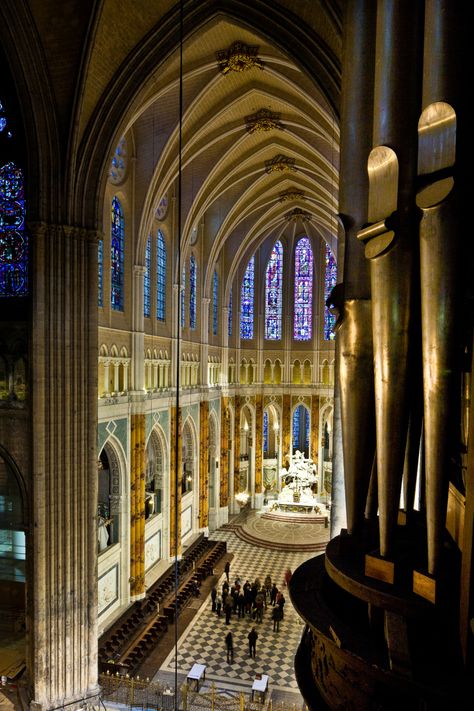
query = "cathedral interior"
{"x": 230, "y": 231}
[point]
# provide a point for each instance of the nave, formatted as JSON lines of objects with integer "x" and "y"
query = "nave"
{"x": 203, "y": 641}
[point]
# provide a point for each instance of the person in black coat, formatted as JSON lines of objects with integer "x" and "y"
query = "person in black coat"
{"x": 227, "y": 570}
{"x": 213, "y": 598}
{"x": 273, "y": 594}
{"x": 252, "y": 638}
{"x": 229, "y": 641}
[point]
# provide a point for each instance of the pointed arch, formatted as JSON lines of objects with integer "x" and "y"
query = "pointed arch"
{"x": 147, "y": 280}
{"x": 192, "y": 291}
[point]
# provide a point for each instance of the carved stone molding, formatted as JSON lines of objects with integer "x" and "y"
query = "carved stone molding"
{"x": 298, "y": 214}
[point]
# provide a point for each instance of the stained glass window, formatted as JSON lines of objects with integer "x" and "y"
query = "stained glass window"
{"x": 147, "y": 279}
{"x": 215, "y": 295}
{"x": 230, "y": 314}
{"x": 303, "y": 297}
{"x": 100, "y": 268}
{"x": 329, "y": 284}
{"x": 13, "y": 238}
{"x": 246, "y": 299}
{"x": 117, "y": 255}
{"x": 160, "y": 277}
{"x": 300, "y": 430}
{"x": 273, "y": 293}
{"x": 192, "y": 291}
{"x": 265, "y": 431}
{"x": 183, "y": 294}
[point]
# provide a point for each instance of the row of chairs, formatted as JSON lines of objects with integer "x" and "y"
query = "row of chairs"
{"x": 128, "y": 642}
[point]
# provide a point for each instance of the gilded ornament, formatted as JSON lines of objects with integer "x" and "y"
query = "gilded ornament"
{"x": 298, "y": 214}
{"x": 280, "y": 164}
{"x": 263, "y": 120}
{"x": 291, "y": 195}
{"x": 238, "y": 58}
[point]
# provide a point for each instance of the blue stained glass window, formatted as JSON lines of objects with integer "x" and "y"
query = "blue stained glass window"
{"x": 13, "y": 238}
{"x": 192, "y": 291}
{"x": 246, "y": 299}
{"x": 117, "y": 255}
{"x": 215, "y": 304}
{"x": 273, "y": 293}
{"x": 100, "y": 269}
{"x": 265, "y": 431}
{"x": 230, "y": 314}
{"x": 301, "y": 430}
{"x": 147, "y": 280}
{"x": 160, "y": 277}
{"x": 329, "y": 284}
{"x": 183, "y": 294}
{"x": 303, "y": 297}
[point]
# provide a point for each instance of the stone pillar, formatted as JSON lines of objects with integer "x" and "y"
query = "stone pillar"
{"x": 137, "y": 505}
{"x": 258, "y": 451}
{"x": 138, "y": 339}
{"x": 315, "y": 428}
{"x": 62, "y": 594}
{"x": 238, "y": 408}
{"x": 224, "y": 376}
{"x": 224, "y": 459}
{"x": 204, "y": 350}
{"x": 176, "y": 468}
{"x": 176, "y": 342}
{"x": 286, "y": 428}
{"x": 204, "y": 464}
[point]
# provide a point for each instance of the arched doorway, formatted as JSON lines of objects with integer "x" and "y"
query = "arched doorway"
{"x": 271, "y": 452}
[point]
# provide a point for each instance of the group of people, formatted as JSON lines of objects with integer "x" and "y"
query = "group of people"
{"x": 249, "y": 599}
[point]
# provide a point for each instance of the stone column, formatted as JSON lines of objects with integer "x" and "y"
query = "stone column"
{"x": 137, "y": 504}
{"x": 258, "y": 451}
{"x": 286, "y": 428}
{"x": 204, "y": 350}
{"x": 138, "y": 339}
{"x": 315, "y": 428}
{"x": 224, "y": 459}
{"x": 238, "y": 408}
{"x": 62, "y": 594}
{"x": 176, "y": 468}
{"x": 204, "y": 464}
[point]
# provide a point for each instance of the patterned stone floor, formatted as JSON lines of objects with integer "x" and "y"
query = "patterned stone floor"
{"x": 204, "y": 639}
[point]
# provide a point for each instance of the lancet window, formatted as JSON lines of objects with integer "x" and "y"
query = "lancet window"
{"x": 13, "y": 237}
{"x": 215, "y": 295}
{"x": 229, "y": 324}
{"x": 192, "y": 291}
{"x": 117, "y": 255}
{"x": 160, "y": 277}
{"x": 273, "y": 293}
{"x": 100, "y": 272}
{"x": 302, "y": 330}
{"x": 247, "y": 299}
{"x": 329, "y": 284}
{"x": 147, "y": 279}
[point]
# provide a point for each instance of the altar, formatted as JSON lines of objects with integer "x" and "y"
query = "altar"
{"x": 298, "y": 486}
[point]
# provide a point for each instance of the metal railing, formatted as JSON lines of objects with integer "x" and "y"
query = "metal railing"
{"x": 135, "y": 693}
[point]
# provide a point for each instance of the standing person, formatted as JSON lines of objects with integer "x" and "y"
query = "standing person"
{"x": 228, "y": 606}
{"x": 273, "y": 594}
{"x": 281, "y": 604}
{"x": 229, "y": 641}
{"x": 241, "y": 604}
{"x": 288, "y": 575}
{"x": 213, "y": 598}
{"x": 218, "y": 604}
{"x": 252, "y": 638}
{"x": 259, "y": 607}
{"x": 227, "y": 570}
{"x": 276, "y": 617}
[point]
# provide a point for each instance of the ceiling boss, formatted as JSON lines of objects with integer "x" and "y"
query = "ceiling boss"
{"x": 238, "y": 58}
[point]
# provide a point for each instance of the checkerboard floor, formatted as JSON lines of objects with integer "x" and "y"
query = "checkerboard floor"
{"x": 204, "y": 639}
